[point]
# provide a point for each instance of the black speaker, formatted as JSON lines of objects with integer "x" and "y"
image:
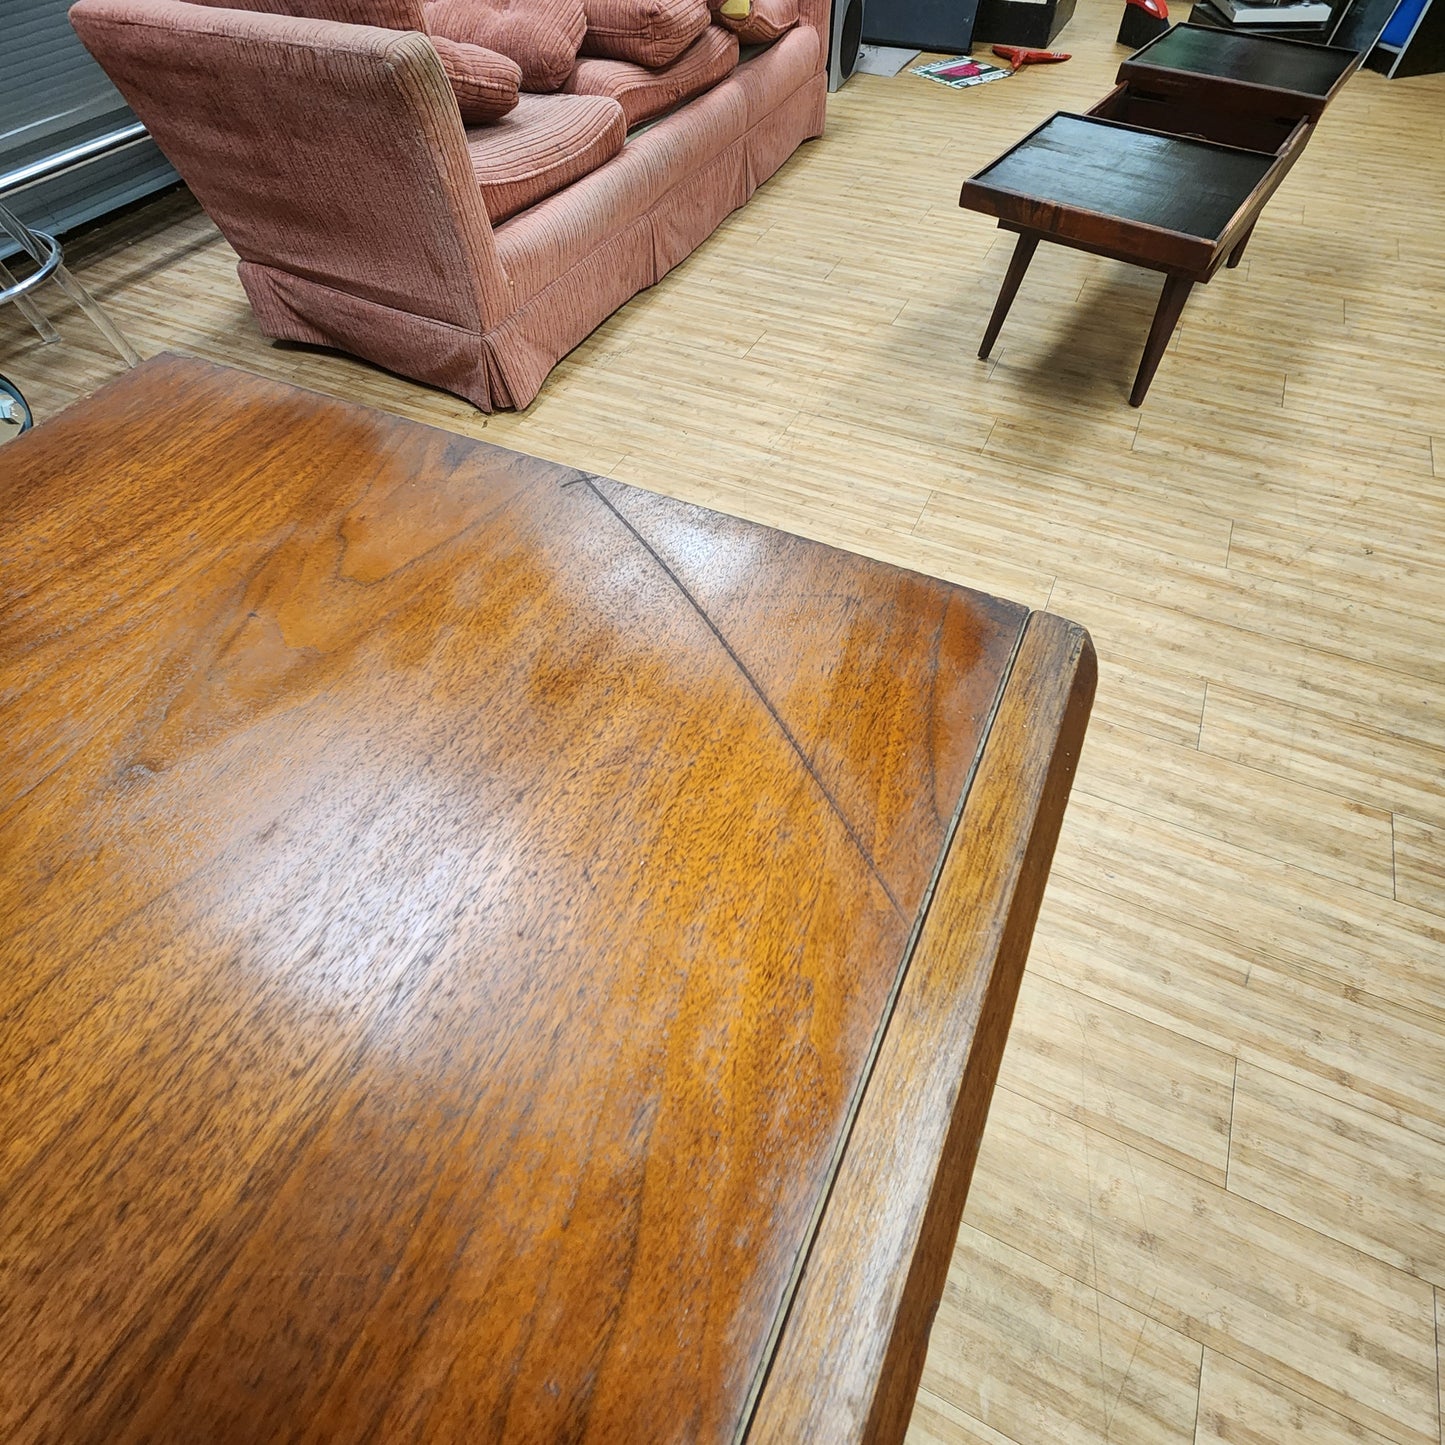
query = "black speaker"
{"x": 945, "y": 25}
{"x": 845, "y": 37}
{"x": 1139, "y": 26}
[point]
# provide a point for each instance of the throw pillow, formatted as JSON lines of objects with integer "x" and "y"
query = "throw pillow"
{"x": 542, "y": 36}
{"x": 762, "y": 21}
{"x": 484, "y": 83}
{"x": 647, "y": 32}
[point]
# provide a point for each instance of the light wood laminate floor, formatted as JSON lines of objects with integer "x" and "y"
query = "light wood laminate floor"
{"x": 1210, "y": 1205}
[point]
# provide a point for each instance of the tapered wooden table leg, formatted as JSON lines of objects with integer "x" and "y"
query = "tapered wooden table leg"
{"x": 1166, "y": 318}
{"x": 1023, "y": 254}
{"x": 1236, "y": 255}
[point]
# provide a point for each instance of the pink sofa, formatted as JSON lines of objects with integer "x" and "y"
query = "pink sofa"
{"x": 334, "y": 159}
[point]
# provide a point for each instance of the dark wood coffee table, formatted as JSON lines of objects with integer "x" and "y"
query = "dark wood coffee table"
{"x": 1170, "y": 203}
{"x": 1211, "y": 69}
{"x": 490, "y": 954}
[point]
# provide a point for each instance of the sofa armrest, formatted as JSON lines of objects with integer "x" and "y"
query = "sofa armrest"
{"x": 818, "y": 14}
{"x": 333, "y": 152}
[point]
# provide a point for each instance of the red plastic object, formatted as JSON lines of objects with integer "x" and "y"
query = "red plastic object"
{"x": 1159, "y": 9}
{"x": 1020, "y": 55}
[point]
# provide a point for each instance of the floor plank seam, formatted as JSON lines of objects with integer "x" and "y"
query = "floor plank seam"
{"x": 1439, "y": 1361}
{"x": 1190, "y": 1329}
{"x": 1336, "y": 1101}
{"x": 1275, "y": 771}
{"x": 1199, "y": 1398}
{"x": 1233, "y": 1100}
{"x": 1088, "y": 789}
{"x": 1296, "y": 968}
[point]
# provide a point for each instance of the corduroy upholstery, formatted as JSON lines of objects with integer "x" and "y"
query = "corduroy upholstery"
{"x": 647, "y": 32}
{"x": 645, "y": 94}
{"x": 385, "y": 14}
{"x": 486, "y": 85}
{"x": 556, "y": 236}
{"x": 818, "y": 14}
{"x": 542, "y": 36}
{"x": 546, "y": 143}
{"x": 484, "y": 82}
{"x": 333, "y": 159}
{"x": 764, "y": 22}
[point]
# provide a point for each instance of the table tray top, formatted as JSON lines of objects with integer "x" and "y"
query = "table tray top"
{"x": 1292, "y": 77}
{"x": 1083, "y": 174}
{"x": 453, "y": 904}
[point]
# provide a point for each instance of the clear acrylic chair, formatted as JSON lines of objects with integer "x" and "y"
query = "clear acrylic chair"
{"x": 49, "y": 260}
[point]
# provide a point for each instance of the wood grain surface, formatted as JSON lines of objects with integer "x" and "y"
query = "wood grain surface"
{"x": 1252, "y": 867}
{"x": 954, "y": 1009}
{"x": 451, "y": 904}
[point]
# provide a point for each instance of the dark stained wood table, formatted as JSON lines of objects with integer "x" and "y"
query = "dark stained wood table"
{"x": 1205, "y": 68}
{"x": 1167, "y": 202}
{"x": 489, "y": 954}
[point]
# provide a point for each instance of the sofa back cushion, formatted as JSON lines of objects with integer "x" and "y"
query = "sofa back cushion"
{"x": 644, "y": 93}
{"x": 647, "y": 32}
{"x": 542, "y": 36}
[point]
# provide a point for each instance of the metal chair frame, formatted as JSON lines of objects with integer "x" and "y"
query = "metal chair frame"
{"x": 46, "y": 251}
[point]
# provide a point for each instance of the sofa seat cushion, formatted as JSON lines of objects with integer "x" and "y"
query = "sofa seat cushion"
{"x": 763, "y": 21}
{"x": 645, "y": 94}
{"x": 564, "y": 230}
{"x": 646, "y": 32}
{"x": 542, "y": 36}
{"x": 484, "y": 83}
{"x": 548, "y": 142}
